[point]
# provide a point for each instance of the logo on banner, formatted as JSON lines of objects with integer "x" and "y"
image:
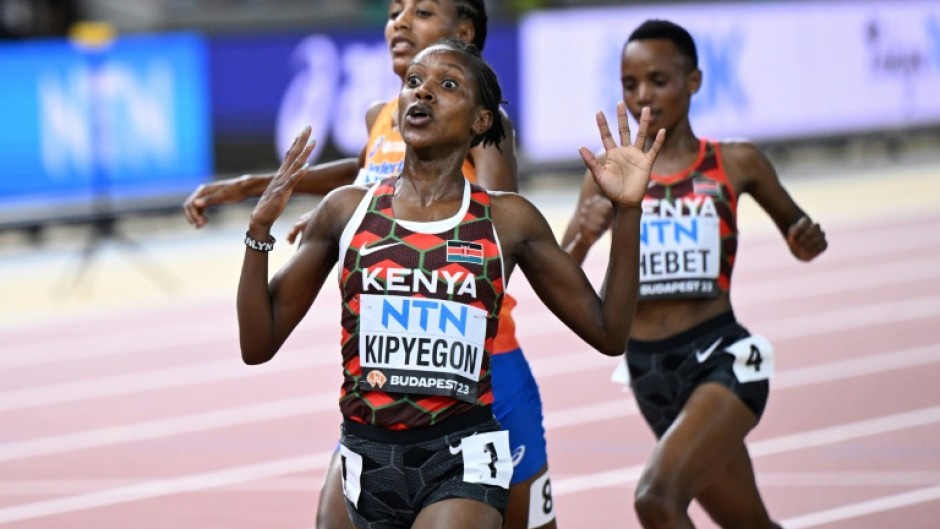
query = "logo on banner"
{"x": 464, "y": 252}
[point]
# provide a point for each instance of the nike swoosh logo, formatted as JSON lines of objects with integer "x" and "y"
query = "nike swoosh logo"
{"x": 366, "y": 250}
{"x": 454, "y": 450}
{"x": 701, "y": 356}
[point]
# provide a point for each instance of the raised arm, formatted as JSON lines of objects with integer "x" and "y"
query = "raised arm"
{"x": 601, "y": 320}
{"x": 269, "y": 311}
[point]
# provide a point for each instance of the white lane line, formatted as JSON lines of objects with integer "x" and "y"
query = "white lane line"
{"x": 849, "y": 479}
{"x": 562, "y": 487}
{"x": 864, "y": 508}
{"x": 161, "y": 428}
{"x": 325, "y": 355}
{"x": 167, "y": 378}
{"x": 326, "y": 402}
{"x": 305, "y": 483}
{"x": 771, "y": 446}
{"x": 165, "y": 336}
{"x": 836, "y": 281}
{"x": 858, "y": 317}
{"x": 300, "y": 482}
{"x": 165, "y": 487}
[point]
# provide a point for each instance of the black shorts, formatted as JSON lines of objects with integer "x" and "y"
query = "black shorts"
{"x": 386, "y": 484}
{"x": 664, "y": 373}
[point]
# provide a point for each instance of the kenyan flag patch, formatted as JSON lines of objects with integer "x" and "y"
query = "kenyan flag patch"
{"x": 464, "y": 252}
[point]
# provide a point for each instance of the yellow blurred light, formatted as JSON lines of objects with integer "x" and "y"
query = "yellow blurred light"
{"x": 92, "y": 34}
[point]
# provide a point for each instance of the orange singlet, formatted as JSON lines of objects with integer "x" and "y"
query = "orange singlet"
{"x": 385, "y": 155}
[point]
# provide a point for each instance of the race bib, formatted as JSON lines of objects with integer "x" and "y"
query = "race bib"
{"x": 753, "y": 358}
{"x": 541, "y": 504}
{"x": 486, "y": 458}
{"x": 352, "y": 474}
{"x": 419, "y": 345}
{"x": 680, "y": 254}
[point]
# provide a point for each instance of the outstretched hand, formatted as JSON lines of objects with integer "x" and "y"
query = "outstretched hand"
{"x": 625, "y": 173}
{"x": 275, "y": 196}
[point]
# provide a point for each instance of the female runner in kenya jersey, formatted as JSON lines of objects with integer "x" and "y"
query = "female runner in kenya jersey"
{"x": 518, "y": 405}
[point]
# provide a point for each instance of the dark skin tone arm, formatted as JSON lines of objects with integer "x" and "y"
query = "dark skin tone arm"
{"x": 749, "y": 172}
{"x": 269, "y": 311}
{"x": 602, "y": 321}
{"x": 496, "y": 170}
{"x": 319, "y": 179}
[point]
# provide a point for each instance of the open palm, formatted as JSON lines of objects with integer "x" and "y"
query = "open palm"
{"x": 276, "y": 195}
{"x": 624, "y": 175}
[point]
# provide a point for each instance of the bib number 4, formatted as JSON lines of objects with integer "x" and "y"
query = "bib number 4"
{"x": 753, "y": 358}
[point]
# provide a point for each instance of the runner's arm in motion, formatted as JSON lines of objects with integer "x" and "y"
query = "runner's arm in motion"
{"x": 269, "y": 311}
{"x": 757, "y": 176}
{"x": 592, "y": 216}
{"x": 602, "y": 320}
{"x": 318, "y": 179}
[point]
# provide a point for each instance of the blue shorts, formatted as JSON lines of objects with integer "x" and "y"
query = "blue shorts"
{"x": 518, "y": 408}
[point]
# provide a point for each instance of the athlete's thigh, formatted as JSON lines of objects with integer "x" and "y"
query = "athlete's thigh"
{"x": 530, "y": 503}
{"x": 701, "y": 442}
{"x": 458, "y": 513}
{"x": 331, "y": 508}
{"x": 732, "y": 499}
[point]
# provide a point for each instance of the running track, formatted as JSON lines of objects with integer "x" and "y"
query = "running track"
{"x": 145, "y": 418}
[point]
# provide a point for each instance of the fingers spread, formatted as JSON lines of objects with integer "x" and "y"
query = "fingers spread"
{"x": 640, "y": 142}
{"x": 623, "y": 124}
{"x": 657, "y": 145}
{"x": 606, "y": 138}
{"x": 589, "y": 160}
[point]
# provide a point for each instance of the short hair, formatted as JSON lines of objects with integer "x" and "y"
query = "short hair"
{"x": 475, "y": 10}
{"x": 489, "y": 93}
{"x": 664, "y": 29}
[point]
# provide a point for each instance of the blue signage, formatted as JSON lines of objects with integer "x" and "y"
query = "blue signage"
{"x": 268, "y": 87}
{"x": 127, "y": 120}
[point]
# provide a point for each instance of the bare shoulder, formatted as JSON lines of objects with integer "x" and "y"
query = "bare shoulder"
{"x": 508, "y": 203}
{"x": 741, "y": 153}
{"x": 745, "y": 163}
{"x": 345, "y": 197}
{"x": 338, "y": 206}
{"x": 373, "y": 112}
{"x": 515, "y": 217}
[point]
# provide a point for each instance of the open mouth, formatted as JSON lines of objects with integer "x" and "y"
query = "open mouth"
{"x": 418, "y": 114}
{"x": 400, "y": 45}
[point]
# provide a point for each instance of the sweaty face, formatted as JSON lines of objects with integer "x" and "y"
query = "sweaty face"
{"x": 654, "y": 73}
{"x": 416, "y": 24}
{"x": 438, "y": 102}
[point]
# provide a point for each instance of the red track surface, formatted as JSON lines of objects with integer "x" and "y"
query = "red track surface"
{"x": 147, "y": 419}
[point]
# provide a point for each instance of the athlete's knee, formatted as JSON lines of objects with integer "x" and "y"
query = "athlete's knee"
{"x": 656, "y": 508}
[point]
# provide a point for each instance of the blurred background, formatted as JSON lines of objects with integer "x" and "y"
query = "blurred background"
{"x": 115, "y": 110}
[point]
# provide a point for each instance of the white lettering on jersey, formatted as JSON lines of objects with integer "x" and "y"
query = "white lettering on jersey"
{"x": 406, "y": 280}
{"x": 680, "y": 247}
{"x": 403, "y": 334}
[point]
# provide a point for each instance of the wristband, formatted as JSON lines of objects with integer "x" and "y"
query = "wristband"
{"x": 259, "y": 245}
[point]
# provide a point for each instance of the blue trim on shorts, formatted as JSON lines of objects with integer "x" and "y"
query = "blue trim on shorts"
{"x": 518, "y": 408}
